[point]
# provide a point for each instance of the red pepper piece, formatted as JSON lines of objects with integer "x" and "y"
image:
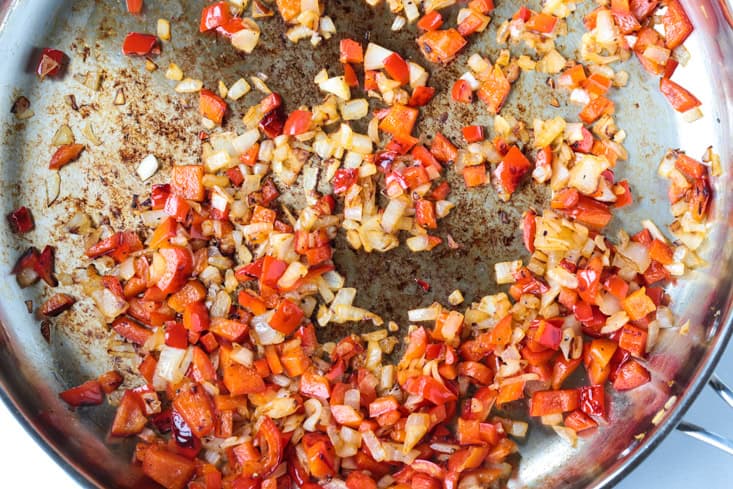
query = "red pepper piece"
{"x": 212, "y": 106}
{"x": 56, "y": 304}
{"x": 134, "y": 6}
{"x": 139, "y": 44}
{"x": 51, "y": 62}
{"x": 64, "y": 155}
{"x": 214, "y": 15}
{"x": 343, "y": 179}
{"x": 21, "y": 220}
{"x": 87, "y": 394}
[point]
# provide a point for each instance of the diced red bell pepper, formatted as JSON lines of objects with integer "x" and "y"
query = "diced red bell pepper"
{"x": 473, "y": 134}
{"x": 562, "y": 369}
{"x": 590, "y": 212}
{"x": 134, "y": 6}
{"x": 647, "y": 37}
{"x": 585, "y": 145}
{"x": 677, "y": 26}
{"x": 214, "y": 15}
{"x": 196, "y": 408}
{"x": 630, "y": 375}
{"x": 212, "y": 106}
{"x": 360, "y": 480}
{"x": 462, "y": 92}
{"x": 633, "y": 340}
{"x": 230, "y": 329}
{"x": 596, "y": 108}
{"x": 56, "y": 304}
{"x": 626, "y": 198}
{"x": 273, "y": 123}
{"x": 494, "y": 90}
{"x": 443, "y": 150}
{"x": 579, "y": 421}
{"x": 87, "y": 394}
{"x": 110, "y": 381}
{"x": 21, "y": 220}
{"x": 473, "y": 22}
{"x": 523, "y": 13}
{"x": 130, "y": 416}
{"x": 430, "y": 389}
{"x": 512, "y": 169}
{"x": 593, "y": 400}
{"x": 320, "y": 454}
{"x": 272, "y": 270}
{"x": 370, "y": 80}
{"x": 176, "y": 335}
{"x": 699, "y": 197}
{"x": 541, "y": 23}
{"x": 483, "y": 6}
{"x": 177, "y": 208}
{"x": 441, "y": 46}
{"x": 196, "y": 317}
{"x": 431, "y": 21}
{"x": 350, "y": 51}
{"x": 65, "y": 154}
{"x": 239, "y": 379}
{"x": 597, "y": 84}
{"x": 131, "y": 331}
{"x": 475, "y": 175}
{"x": 622, "y": 16}
{"x": 589, "y": 280}
{"x": 548, "y": 334}
{"x": 187, "y": 182}
{"x": 139, "y": 44}
{"x": 553, "y": 402}
{"x": 679, "y": 98}
{"x": 399, "y": 121}
{"x": 298, "y": 122}
{"x": 287, "y": 317}
{"x": 421, "y": 96}
{"x": 178, "y": 268}
{"x": 397, "y": 69}
{"x": 529, "y": 229}
{"x": 343, "y": 179}
{"x": 572, "y": 77}
{"x": 350, "y": 75}
{"x": 51, "y": 62}
{"x": 425, "y": 214}
{"x": 642, "y": 8}
{"x": 168, "y": 469}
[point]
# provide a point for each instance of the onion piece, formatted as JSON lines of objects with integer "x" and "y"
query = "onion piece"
{"x": 148, "y": 167}
{"x": 264, "y": 333}
{"x": 416, "y": 427}
{"x": 375, "y": 55}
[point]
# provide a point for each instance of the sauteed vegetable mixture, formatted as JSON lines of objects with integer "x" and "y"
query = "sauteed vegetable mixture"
{"x": 223, "y": 292}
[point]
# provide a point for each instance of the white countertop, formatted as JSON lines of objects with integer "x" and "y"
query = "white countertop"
{"x": 678, "y": 463}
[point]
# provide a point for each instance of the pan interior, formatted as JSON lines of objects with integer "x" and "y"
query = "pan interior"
{"x": 154, "y": 119}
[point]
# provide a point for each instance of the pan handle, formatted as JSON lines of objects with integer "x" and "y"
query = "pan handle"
{"x": 705, "y": 436}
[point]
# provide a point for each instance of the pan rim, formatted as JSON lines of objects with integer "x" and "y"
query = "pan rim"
{"x": 610, "y": 478}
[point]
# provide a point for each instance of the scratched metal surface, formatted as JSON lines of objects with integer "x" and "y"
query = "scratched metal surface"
{"x": 156, "y": 120}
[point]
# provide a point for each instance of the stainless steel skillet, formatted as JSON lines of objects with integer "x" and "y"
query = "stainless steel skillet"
{"x": 156, "y": 120}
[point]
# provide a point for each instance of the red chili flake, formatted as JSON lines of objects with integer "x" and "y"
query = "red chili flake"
{"x": 423, "y": 284}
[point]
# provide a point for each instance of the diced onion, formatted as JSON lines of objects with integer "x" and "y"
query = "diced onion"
{"x": 374, "y": 56}
{"x": 416, "y": 427}
{"x": 189, "y": 85}
{"x": 148, "y": 167}
{"x": 264, "y": 333}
